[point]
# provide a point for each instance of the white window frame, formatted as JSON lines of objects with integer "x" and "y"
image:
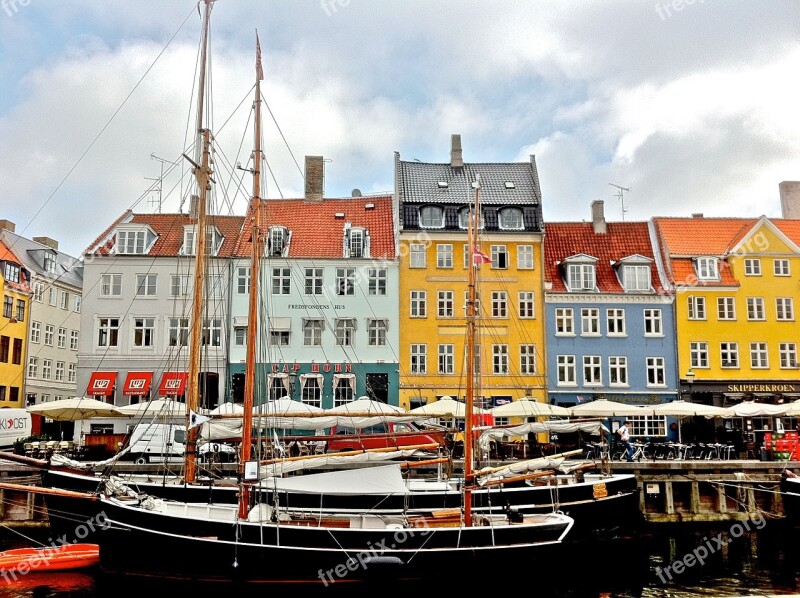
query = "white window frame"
{"x": 526, "y": 305}
{"x": 146, "y": 285}
{"x": 752, "y": 266}
{"x": 524, "y": 257}
{"x": 566, "y": 370}
{"x": 419, "y": 359}
{"x": 729, "y": 355}
{"x": 446, "y": 358}
{"x": 107, "y": 332}
{"x": 36, "y": 331}
{"x": 656, "y": 370}
{"x": 581, "y": 277}
{"x": 499, "y": 255}
{"x": 73, "y": 340}
{"x": 110, "y": 286}
{"x": 590, "y": 321}
{"x": 707, "y": 268}
{"x": 418, "y": 304}
{"x": 61, "y": 338}
{"x": 755, "y": 309}
{"x": 781, "y": 267}
{"x": 565, "y": 321}
{"x": 527, "y": 360}
{"x": 345, "y": 281}
{"x": 726, "y": 308}
{"x": 180, "y": 285}
{"x": 313, "y": 281}
{"x": 417, "y": 255}
{"x": 518, "y": 222}
{"x": 636, "y": 277}
{"x": 615, "y": 322}
{"x": 281, "y": 281}
{"x": 500, "y": 360}
{"x": 697, "y": 307}
{"x": 243, "y": 280}
{"x": 444, "y": 304}
{"x": 144, "y": 332}
{"x": 312, "y": 332}
{"x": 178, "y": 332}
{"x": 788, "y": 355}
{"x": 431, "y": 217}
{"x": 698, "y": 354}
{"x": 759, "y": 355}
{"x": 444, "y": 255}
{"x": 592, "y": 370}
{"x": 378, "y": 280}
{"x": 618, "y": 371}
{"x": 499, "y": 304}
{"x": 377, "y": 332}
{"x": 784, "y": 309}
{"x": 345, "y": 332}
{"x": 653, "y": 322}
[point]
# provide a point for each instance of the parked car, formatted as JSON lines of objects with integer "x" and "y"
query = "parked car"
{"x": 386, "y": 435}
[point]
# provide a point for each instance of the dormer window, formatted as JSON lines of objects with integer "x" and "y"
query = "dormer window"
{"x": 213, "y": 240}
{"x": 356, "y": 242}
{"x": 510, "y": 219}
{"x": 50, "y": 262}
{"x": 11, "y": 272}
{"x": 463, "y": 218}
{"x": 580, "y": 273}
{"x": 277, "y": 241}
{"x": 134, "y": 241}
{"x": 636, "y": 278}
{"x": 707, "y": 268}
{"x": 431, "y": 217}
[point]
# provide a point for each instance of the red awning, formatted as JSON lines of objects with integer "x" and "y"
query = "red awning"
{"x": 137, "y": 383}
{"x": 173, "y": 384}
{"x": 102, "y": 383}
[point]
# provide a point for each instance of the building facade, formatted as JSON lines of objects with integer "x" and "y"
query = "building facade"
{"x": 15, "y": 280}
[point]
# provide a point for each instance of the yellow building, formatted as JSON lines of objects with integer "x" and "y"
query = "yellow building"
{"x": 434, "y": 202}
{"x": 13, "y": 328}
{"x": 737, "y": 292}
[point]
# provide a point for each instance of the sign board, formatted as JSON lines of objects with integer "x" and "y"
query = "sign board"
{"x": 14, "y": 423}
{"x": 250, "y": 471}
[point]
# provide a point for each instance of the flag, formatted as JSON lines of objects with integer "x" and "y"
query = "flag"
{"x": 478, "y": 257}
{"x": 259, "y": 70}
{"x": 195, "y": 419}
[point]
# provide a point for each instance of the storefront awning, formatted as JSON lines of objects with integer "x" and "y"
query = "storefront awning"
{"x": 102, "y": 383}
{"x": 173, "y": 384}
{"x": 137, "y": 383}
{"x": 280, "y": 324}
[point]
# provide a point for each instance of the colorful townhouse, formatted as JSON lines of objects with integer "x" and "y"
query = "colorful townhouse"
{"x": 54, "y": 316}
{"x": 329, "y": 299}
{"x": 434, "y": 202}
{"x": 15, "y": 281}
{"x": 610, "y": 326}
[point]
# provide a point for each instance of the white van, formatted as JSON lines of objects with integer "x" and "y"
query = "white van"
{"x": 159, "y": 443}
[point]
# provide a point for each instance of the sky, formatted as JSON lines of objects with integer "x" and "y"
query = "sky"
{"x": 692, "y": 106}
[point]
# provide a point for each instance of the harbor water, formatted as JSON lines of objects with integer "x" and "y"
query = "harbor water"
{"x": 757, "y": 557}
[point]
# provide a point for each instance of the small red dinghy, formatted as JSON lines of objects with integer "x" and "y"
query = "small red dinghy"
{"x": 50, "y": 558}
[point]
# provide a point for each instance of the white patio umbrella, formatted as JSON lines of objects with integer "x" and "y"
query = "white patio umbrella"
{"x": 365, "y": 412}
{"x": 527, "y": 407}
{"x": 685, "y": 408}
{"x": 444, "y": 407}
{"x": 753, "y": 409}
{"x": 793, "y": 408}
{"x": 606, "y": 408}
{"x": 161, "y": 408}
{"x": 227, "y": 409}
{"x": 75, "y": 408}
{"x": 287, "y": 414}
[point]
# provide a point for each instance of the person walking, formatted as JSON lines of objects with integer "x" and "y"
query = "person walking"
{"x": 625, "y": 437}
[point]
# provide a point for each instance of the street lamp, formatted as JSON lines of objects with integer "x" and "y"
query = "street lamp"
{"x": 689, "y": 380}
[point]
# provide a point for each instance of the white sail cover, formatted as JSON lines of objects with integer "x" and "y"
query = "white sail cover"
{"x": 519, "y": 468}
{"x": 383, "y": 479}
{"x": 559, "y": 427}
{"x": 278, "y": 468}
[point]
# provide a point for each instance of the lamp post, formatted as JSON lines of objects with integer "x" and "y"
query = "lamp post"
{"x": 689, "y": 382}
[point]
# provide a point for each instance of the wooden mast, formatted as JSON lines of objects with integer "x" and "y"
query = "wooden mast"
{"x": 252, "y": 311}
{"x": 472, "y": 228}
{"x": 202, "y": 173}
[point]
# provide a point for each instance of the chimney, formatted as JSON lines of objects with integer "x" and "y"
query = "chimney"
{"x": 315, "y": 178}
{"x": 598, "y": 217}
{"x": 790, "y": 199}
{"x": 455, "y": 151}
{"x": 8, "y": 225}
{"x": 697, "y": 214}
{"x": 51, "y": 243}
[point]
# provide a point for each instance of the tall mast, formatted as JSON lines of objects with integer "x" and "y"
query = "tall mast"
{"x": 202, "y": 173}
{"x": 252, "y": 312}
{"x": 472, "y": 237}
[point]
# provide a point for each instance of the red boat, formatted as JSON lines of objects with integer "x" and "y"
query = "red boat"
{"x": 21, "y": 561}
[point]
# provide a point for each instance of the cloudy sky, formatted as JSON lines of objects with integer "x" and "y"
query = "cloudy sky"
{"x": 693, "y": 106}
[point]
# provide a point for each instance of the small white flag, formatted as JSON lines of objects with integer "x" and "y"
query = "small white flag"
{"x": 195, "y": 419}
{"x": 278, "y": 446}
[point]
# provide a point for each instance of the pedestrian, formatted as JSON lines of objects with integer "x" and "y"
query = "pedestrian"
{"x": 625, "y": 437}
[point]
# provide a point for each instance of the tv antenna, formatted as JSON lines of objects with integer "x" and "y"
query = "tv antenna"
{"x": 157, "y": 200}
{"x": 620, "y": 191}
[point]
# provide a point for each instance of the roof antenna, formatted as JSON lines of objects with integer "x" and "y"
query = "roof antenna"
{"x": 621, "y": 197}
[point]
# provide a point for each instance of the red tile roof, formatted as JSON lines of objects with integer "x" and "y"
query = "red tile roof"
{"x": 622, "y": 239}
{"x": 7, "y": 255}
{"x": 318, "y": 233}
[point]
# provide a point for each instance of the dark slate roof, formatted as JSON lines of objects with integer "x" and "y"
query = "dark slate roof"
{"x": 69, "y": 270}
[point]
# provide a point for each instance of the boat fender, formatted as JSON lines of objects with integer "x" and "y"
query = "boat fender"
{"x": 383, "y": 561}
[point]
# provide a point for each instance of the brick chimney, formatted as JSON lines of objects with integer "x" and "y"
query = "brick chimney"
{"x": 315, "y": 178}
{"x": 598, "y": 217}
{"x": 8, "y": 225}
{"x": 51, "y": 243}
{"x": 455, "y": 151}
{"x": 790, "y": 199}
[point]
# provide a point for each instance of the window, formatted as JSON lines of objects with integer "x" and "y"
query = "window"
{"x": 726, "y": 308}
{"x": 50, "y": 262}
{"x": 33, "y": 367}
{"x": 377, "y": 280}
{"x": 345, "y": 332}
{"x": 311, "y": 393}
{"x": 313, "y": 281}
{"x": 752, "y": 267}
{"x": 179, "y": 285}
{"x": 277, "y": 241}
{"x": 243, "y": 280}
{"x": 566, "y": 370}
{"x": 73, "y": 340}
{"x": 590, "y": 321}
{"x": 356, "y": 243}
{"x": 216, "y": 286}
{"x": 239, "y": 336}
{"x": 107, "y": 332}
{"x": 431, "y": 217}
{"x": 463, "y": 217}
{"x": 499, "y": 255}
{"x": 780, "y": 267}
{"x": 707, "y": 268}
{"x": 729, "y": 354}
{"x": 647, "y": 425}
{"x": 564, "y": 321}
{"x": 72, "y": 370}
{"x": 652, "y": 322}
{"x": 53, "y": 296}
{"x": 445, "y": 304}
{"x": 636, "y": 278}
{"x": 416, "y": 255}
{"x": 36, "y": 328}
{"x": 38, "y": 292}
{"x": 615, "y": 322}
{"x": 279, "y": 338}
{"x": 697, "y": 307}
{"x": 419, "y": 359}
{"x": 59, "y": 371}
{"x": 755, "y": 308}
{"x": 64, "y": 300}
{"x": 312, "y": 332}
{"x": 524, "y": 257}
{"x": 477, "y": 303}
{"x": 5, "y": 345}
{"x": 47, "y": 368}
{"x": 211, "y": 335}
{"x": 758, "y": 356}
{"x": 110, "y": 285}
{"x": 12, "y": 272}
{"x": 178, "y": 332}
{"x": 698, "y": 354}
{"x": 144, "y": 330}
{"x": 656, "y": 371}
{"x": 419, "y": 304}
{"x": 131, "y": 241}
{"x": 281, "y": 281}
{"x": 444, "y": 255}
{"x": 527, "y": 360}
{"x": 16, "y": 355}
{"x": 580, "y": 277}
{"x": 212, "y": 241}
{"x": 49, "y": 331}
{"x": 499, "y": 304}
{"x": 20, "y": 310}
{"x": 376, "y": 331}
{"x": 591, "y": 370}
{"x": 345, "y": 281}
{"x": 618, "y": 371}
{"x": 145, "y": 285}
{"x": 76, "y": 303}
{"x": 788, "y": 355}
{"x": 8, "y": 307}
{"x": 62, "y": 338}
{"x": 343, "y": 391}
{"x": 446, "y": 361}
{"x": 525, "y": 304}
{"x": 510, "y": 219}
{"x": 500, "y": 359}
{"x": 477, "y": 358}
{"x": 784, "y": 307}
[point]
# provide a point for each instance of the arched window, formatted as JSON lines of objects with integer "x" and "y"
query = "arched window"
{"x": 510, "y": 219}
{"x": 431, "y": 217}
